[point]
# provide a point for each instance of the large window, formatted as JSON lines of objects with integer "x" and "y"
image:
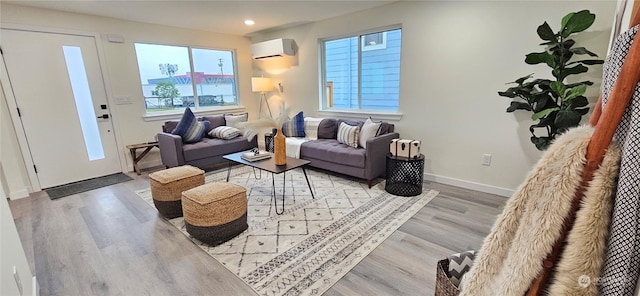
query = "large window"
{"x": 175, "y": 77}
{"x": 362, "y": 71}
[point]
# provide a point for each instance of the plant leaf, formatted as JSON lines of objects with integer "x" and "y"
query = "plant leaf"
{"x": 545, "y": 32}
{"x": 582, "y": 111}
{"x": 559, "y": 88}
{"x": 543, "y": 113}
{"x": 518, "y": 106}
{"x": 582, "y": 50}
{"x": 566, "y": 119}
{"x": 578, "y": 22}
{"x": 578, "y": 102}
{"x": 565, "y": 19}
{"x": 571, "y": 71}
{"x": 576, "y": 91}
{"x": 540, "y": 57}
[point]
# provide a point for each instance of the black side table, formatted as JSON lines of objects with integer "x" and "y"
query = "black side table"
{"x": 268, "y": 142}
{"x": 404, "y": 175}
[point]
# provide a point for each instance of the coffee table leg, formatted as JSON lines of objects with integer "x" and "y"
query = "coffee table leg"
{"x": 308, "y": 184}
{"x": 275, "y": 197}
{"x": 229, "y": 170}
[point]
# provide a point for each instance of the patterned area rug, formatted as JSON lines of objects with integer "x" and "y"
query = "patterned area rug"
{"x": 316, "y": 241}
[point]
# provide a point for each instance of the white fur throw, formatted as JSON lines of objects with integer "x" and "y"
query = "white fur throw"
{"x": 512, "y": 254}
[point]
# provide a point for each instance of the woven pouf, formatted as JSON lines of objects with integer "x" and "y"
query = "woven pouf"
{"x": 167, "y": 187}
{"x": 215, "y": 212}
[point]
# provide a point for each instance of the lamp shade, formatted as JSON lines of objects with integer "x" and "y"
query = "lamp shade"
{"x": 261, "y": 84}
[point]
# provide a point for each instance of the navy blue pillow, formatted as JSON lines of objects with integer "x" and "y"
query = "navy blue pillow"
{"x": 295, "y": 126}
{"x": 189, "y": 128}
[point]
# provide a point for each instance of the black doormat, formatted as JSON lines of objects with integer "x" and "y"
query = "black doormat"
{"x": 86, "y": 185}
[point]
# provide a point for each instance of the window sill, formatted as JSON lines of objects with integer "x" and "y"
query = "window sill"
{"x": 200, "y": 112}
{"x": 360, "y": 114}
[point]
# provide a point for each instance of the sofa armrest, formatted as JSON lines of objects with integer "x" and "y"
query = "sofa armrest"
{"x": 375, "y": 156}
{"x": 170, "y": 149}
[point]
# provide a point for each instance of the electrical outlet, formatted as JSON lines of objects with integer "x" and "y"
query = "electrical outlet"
{"x": 486, "y": 159}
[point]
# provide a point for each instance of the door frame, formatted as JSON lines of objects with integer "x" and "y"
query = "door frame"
{"x": 13, "y": 106}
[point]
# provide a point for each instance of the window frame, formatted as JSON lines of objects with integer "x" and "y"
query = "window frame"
{"x": 324, "y": 108}
{"x": 171, "y": 114}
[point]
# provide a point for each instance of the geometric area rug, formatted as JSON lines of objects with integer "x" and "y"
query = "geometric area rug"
{"x": 316, "y": 241}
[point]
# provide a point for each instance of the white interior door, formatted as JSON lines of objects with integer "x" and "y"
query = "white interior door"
{"x": 58, "y": 86}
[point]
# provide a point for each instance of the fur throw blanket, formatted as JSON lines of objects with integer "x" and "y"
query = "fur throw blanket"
{"x": 512, "y": 254}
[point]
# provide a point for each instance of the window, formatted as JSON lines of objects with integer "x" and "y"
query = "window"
{"x": 362, "y": 72}
{"x": 175, "y": 77}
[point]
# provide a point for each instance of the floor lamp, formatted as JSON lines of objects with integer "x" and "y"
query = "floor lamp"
{"x": 262, "y": 85}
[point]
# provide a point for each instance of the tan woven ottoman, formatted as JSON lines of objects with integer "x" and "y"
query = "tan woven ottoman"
{"x": 215, "y": 212}
{"x": 167, "y": 187}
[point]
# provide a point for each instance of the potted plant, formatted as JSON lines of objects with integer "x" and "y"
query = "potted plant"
{"x": 556, "y": 105}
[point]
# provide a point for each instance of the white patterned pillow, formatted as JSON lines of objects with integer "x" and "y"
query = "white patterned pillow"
{"x": 348, "y": 134}
{"x": 224, "y": 132}
{"x": 369, "y": 130}
{"x": 311, "y": 127}
{"x": 233, "y": 119}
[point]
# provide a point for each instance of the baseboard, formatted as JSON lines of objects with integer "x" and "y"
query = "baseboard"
{"x": 469, "y": 185}
{"x": 19, "y": 194}
{"x": 35, "y": 287}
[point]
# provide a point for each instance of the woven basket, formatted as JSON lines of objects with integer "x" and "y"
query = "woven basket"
{"x": 215, "y": 212}
{"x": 167, "y": 186}
{"x": 444, "y": 286}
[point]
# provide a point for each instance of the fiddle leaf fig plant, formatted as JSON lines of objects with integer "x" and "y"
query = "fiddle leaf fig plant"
{"x": 555, "y": 104}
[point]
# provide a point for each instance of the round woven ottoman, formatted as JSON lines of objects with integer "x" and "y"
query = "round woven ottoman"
{"x": 167, "y": 187}
{"x": 215, "y": 212}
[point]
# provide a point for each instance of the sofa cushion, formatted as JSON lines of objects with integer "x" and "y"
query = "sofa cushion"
{"x": 327, "y": 129}
{"x": 332, "y": 151}
{"x": 189, "y": 128}
{"x": 295, "y": 126}
{"x": 368, "y": 130}
{"x": 215, "y": 121}
{"x": 207, "y": 148}
{"x": 348, "y": 134}
{"x": 311, "y": 127}
{"x": 234, "y": 119}
{"x": 224, "y": 132}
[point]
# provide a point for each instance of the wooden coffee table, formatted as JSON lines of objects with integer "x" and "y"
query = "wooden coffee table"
{"x": 269, "y": 165}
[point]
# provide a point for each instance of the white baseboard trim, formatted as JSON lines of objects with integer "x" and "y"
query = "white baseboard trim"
{"x": 35, "y": 287}
{"x": 469, "y": 185}
{"x": 22, "y": 193}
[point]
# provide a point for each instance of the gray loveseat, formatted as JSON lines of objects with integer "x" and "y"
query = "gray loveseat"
{"x": 202, "y": 154}
{"x": 329, "y": 154}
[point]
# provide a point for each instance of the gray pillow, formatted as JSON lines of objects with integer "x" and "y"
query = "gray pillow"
{"x": 215, "y": 121}
{"x": 327, "y": 129}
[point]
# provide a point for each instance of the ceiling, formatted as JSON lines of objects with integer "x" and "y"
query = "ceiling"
{"x": 212, "y": 15}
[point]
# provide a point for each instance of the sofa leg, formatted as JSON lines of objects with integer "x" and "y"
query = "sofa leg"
{"x": 370, "y": 181}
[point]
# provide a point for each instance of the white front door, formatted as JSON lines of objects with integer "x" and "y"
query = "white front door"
{"x": 58, "y": 86}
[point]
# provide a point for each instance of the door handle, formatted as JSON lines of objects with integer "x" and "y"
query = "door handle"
{"x": 104, "y": 116}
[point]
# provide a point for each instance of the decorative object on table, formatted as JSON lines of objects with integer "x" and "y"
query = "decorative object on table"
{"x": 404, "y": 175}
{"x": 251, "y": 129}
{"x": 255, "y": 154}
{"x": 405, "y": 148}
{"x": 262, "y": 85}
{"x": 279, "y": 147}
{"x": 277, "y": 255}
{"x": 555, "y": 105}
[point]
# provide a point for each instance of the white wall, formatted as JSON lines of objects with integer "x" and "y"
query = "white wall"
{"x": 123, "y": 78}
{"x": 456, "y": 56}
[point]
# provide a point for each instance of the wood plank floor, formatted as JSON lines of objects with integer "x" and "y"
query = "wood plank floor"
{"x": 110, "y": 242}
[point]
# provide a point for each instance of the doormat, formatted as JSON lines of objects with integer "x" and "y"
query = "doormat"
{"x": 316, "y": 241}
{"x": 86, "y": 185}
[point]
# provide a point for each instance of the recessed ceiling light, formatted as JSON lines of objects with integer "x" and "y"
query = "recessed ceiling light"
{"x": 249, "y": 22}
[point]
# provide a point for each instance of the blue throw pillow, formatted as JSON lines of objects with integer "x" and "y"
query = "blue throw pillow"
{"x": 189, "y": 128}
{"x": 295, "y": 126}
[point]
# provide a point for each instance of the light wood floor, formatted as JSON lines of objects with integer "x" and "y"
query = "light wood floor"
{"x": 110, "y": 242}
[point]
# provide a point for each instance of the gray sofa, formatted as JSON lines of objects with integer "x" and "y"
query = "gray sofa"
{"x": 203, "y": 154}
{"x": 329, "y": 154}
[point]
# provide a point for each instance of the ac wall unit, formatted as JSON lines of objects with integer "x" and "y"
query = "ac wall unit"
{"x": 273, "y": 48}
